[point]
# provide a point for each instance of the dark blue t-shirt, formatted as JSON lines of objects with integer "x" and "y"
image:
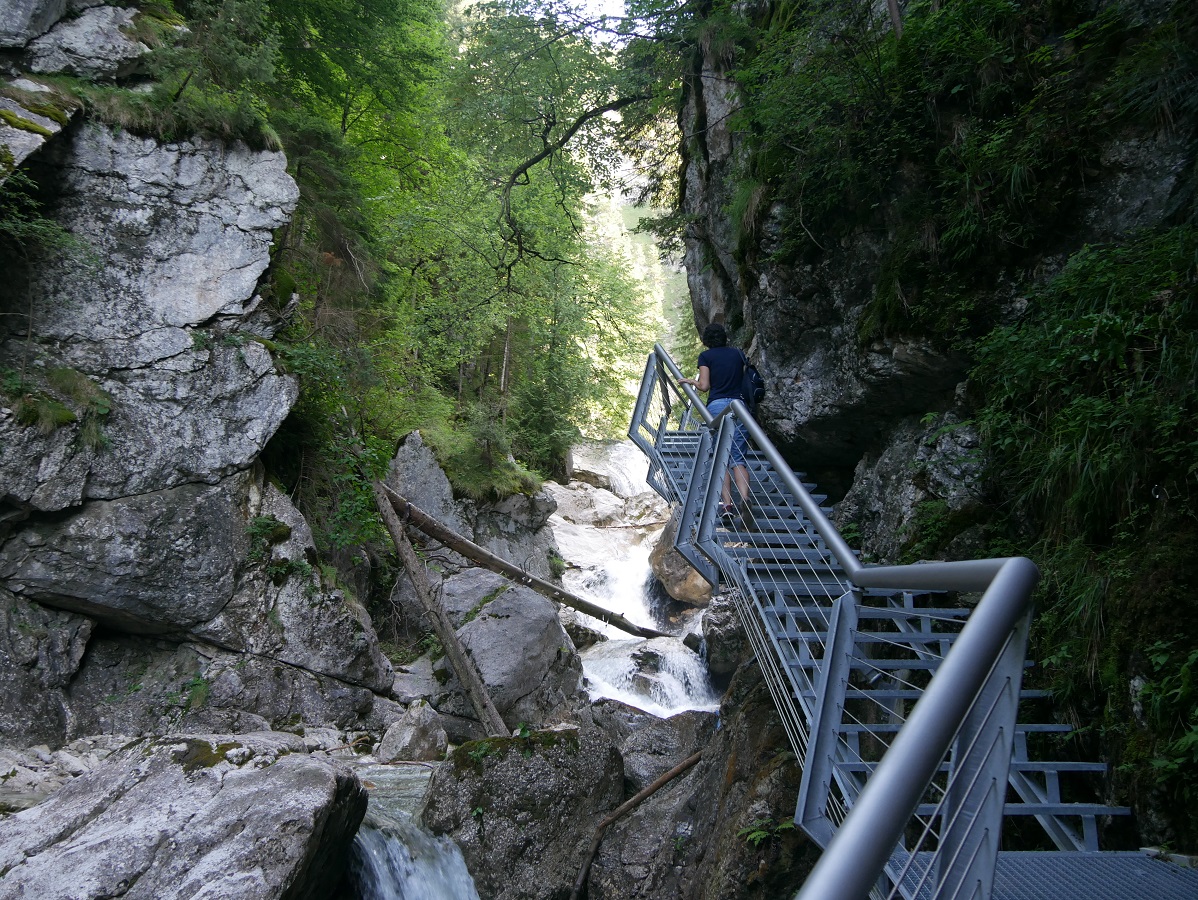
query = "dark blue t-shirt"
{"x": 725, "y": 367}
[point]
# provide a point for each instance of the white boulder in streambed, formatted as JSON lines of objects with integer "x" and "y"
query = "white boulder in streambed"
{"x": 251, "y": 816}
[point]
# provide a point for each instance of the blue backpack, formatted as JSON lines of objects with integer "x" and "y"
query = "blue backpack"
{"x": 752, "y": 385}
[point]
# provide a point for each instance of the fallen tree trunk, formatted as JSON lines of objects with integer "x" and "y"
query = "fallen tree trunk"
{"x": 623, "y": 808}
{"x": 463, "y": 666}
{"x": 472, "y": 551}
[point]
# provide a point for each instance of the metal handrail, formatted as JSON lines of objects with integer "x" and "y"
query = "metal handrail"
{"x": 863, "y": 844}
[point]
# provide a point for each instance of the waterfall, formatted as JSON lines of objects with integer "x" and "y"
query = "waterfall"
{"x": 393, "y": 858}
{"x": 610, "y": 565}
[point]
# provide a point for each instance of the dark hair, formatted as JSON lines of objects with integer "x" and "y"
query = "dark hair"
{"x": 715, "y": 335}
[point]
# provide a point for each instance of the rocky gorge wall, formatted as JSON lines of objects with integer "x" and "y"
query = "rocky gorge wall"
{"x": 151, "y": 577}
{"x": 888, "y": 425}
{"x": 848, "y": 410}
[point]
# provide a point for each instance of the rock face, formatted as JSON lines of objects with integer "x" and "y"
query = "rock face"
{"x": 724, "y": 636}
{"x": 689, "y": 839}
{"x": 678, "y": 577}
{"x": 831, "y": 398}
{"x": 22, "y": 20}
{"x": 93, "y": 45}
{"x": 140, "y": 508}
{"x": 523, "y": 809}
{"x": 515, "y": 528}
{"x": 40, "y": 652}
{"x": 929, "y": 476}
{"x": 150, "y": 348}
{"x": 109, "y": 834}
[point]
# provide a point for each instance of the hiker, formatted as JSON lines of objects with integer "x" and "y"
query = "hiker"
{"x": 720, "y": 373}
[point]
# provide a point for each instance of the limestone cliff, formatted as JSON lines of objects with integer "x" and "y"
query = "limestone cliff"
{"x": 150, "y": 577}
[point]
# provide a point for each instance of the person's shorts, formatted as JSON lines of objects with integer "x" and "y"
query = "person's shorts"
{"x": 739, "y": 438}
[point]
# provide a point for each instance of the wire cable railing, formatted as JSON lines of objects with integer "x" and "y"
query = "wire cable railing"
{"x": 903, "y": 712}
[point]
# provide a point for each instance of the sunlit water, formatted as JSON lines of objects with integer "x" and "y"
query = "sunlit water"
{"x": 610, "y": 566}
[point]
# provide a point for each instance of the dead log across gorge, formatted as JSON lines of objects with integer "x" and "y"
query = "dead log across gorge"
{"x": 472, "y": 551}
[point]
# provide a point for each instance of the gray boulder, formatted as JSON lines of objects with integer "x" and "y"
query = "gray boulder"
{"x": 419, "y": 735}
{"x": 22, "y": 20}
{"x": 40, "y": 652}
{"x": 929, "y": 473}
{"x": 281, "y": 607}
{"x": 154, "y": 563}
{"x": 651, "y": 746}
{"x": 221, "y": 816}
{"x": 724, "y": 636}
{"x": 523, "y": 809}
{"x": 689, "y": 838}
{"x": 515, "y": 528}
{"x": 415, "y": 474}
{"x": 525, "y": 657}
{"x": 93, "y": 45}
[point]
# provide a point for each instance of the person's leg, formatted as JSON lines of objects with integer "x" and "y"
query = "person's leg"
{"x": 715, "y": 407}
{"x": 741, "y": 476}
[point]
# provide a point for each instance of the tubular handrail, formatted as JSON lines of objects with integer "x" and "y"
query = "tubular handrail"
{"x": 863, "y": 844}
{"x": 850, "y": 864}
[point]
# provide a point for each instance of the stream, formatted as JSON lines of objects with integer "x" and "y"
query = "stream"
{"x": 605, "y": 535}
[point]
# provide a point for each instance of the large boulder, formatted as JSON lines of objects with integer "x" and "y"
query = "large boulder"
{"x": 227, "y": 565}
{"x": 40, "y": 653}
{"x": 679, "y": 578}
{"x": 523, "y": 809}
{"x": 523, "y": 654}
{"x": 649, "y": 745}
{"x": 221, "y": 816}
{"x": 93, "y": 45}
{"x": 924, "y": 492}
{"x": 515, "y": 528}
{"x": 689, "y": 839}
{"x": 159, "y": 562}
{"x": 282, "y": 608}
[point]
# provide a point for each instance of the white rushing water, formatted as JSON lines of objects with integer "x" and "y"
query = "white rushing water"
{"x": 395, "y": 859}
{"x": 610, "y": 566}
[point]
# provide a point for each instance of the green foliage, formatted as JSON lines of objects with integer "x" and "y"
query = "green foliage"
{"x": 198, "y": 690}
{"x": 966, "y": 142}
{"x": 557, "y": 564}
{"x": 12, "y": 120}
{"x": 1170, "y": 699}
{"x": 762, "y": 830}
{"x": 35, "y": 409}
{"x": 263, "y": 533}
{"x": 1091, "y": 397}
{"x": 25, "y": 230}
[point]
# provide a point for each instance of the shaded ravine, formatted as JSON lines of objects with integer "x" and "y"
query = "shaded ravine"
{"x": 605, "y": 534}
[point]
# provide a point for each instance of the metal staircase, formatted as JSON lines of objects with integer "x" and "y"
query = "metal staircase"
{"x": 908, "y": 800}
